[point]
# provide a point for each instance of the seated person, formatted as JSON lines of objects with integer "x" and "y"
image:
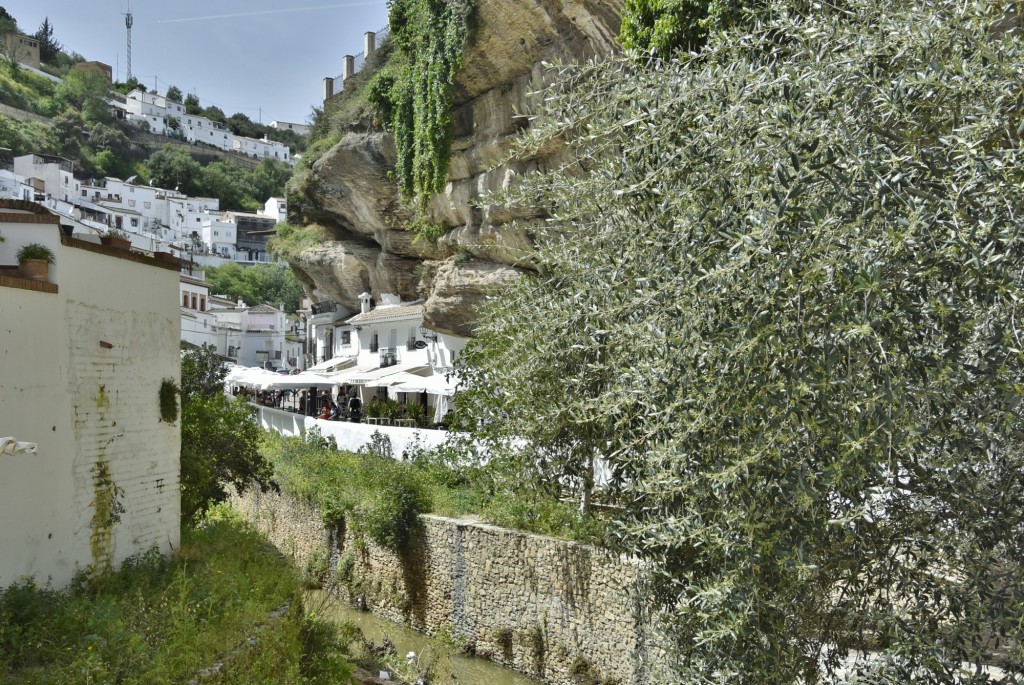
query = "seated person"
{"x": 334, "y": 412}
{"x": 326, "y": 412}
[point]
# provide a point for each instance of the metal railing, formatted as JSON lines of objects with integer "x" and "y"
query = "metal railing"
{"x": 381, "y": 37}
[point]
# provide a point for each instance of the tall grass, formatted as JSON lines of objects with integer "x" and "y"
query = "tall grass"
{"x": 159, "y": 621}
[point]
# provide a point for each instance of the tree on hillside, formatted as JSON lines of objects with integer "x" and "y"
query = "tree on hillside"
{"x": 219, "y": 438}
{"x": 241, "y": 125}
{"x": 785, "y": 276}
{"x": 173, "y": 168}
{"x": 268, "y": 179}
{"x": 261, "y": 283}
{"x": 174, "y": 93}
{"x": 69, "y": 133}
{"x": 226, "y": 181}
{"x": 8, "y": 26}
{"x": 214, "y": 113}
{"x": 86, "y": 90}
{"x": 192, "y": 105}
{"x": 49, "y": 48}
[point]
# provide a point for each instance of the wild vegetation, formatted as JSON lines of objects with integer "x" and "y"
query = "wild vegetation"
{"x": 163, "y": 621}
{"x": 380, "y": 494}
{"x": 219, "y": 438}
{"x": 407, "y": 88}
{"x": 785, "y": 272}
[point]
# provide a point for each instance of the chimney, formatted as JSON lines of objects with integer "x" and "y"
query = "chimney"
{"x": 328, "y": 87}
{"x": 240, "y": 304}
{"x": 369, "y": 43}
{"x": 348, "y": 67}
{"x": 365, "y": 303}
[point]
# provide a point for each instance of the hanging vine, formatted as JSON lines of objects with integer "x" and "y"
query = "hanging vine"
{"x": 413, "y": 95}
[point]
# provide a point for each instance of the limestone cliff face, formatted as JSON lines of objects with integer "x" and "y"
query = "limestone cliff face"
{"x": 348, "y": 189}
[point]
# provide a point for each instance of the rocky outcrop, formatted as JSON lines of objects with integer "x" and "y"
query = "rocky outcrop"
{"x": 349, "y": 190}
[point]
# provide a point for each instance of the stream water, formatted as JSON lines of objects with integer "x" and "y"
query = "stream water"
{"x": 462, "y": 670}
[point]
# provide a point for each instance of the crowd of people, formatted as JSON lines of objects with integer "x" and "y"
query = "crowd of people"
{"x": 352, "y": 411}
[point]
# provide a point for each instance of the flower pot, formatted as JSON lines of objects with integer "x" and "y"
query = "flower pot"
{"x": 34, "y": 269}
{"x": 119, "y": 243}
{"x": 165, "y": 256}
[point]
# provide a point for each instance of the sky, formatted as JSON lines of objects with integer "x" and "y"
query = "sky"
{"x": 264, "y": 58}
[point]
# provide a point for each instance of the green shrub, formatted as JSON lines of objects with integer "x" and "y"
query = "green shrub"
{"x": 389, "y": 515}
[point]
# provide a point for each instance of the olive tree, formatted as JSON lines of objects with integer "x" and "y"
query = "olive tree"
{"x": 779, "y": 294}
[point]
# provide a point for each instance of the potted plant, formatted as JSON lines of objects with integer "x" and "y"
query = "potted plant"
{"x": 115, "y": 237}
{"x": 34, "y": 260}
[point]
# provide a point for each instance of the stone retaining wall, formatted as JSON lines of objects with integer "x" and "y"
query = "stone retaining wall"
{"x": 560, "y": 611}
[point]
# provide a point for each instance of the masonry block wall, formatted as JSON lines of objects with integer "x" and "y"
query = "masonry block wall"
{"x": 81, "y": 367}
{"x": 557, "y": 610}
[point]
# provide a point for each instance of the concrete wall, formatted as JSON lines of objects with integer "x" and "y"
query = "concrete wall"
{"x": 545, "y": 607}
{"x": 80, "y": 370}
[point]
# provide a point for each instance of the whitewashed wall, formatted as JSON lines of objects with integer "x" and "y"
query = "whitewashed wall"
{"x": 80, "y": 372}
{"x": 349, "y": 436}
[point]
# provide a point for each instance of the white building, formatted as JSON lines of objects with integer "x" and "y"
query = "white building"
{"x": 263, "y": 148}
{"x": 86, "y": 360}
{"x": 386, "y": 346}
{"x": 14, "y": 187}
{"x": 276, "y": 208}
{"x": 154, "y": 110}
{"x": 261, "y": 333}
{"x": 220, "y": 237}
{"x": 301, "y": 129}
{"x": 198, "y": 325}
{"x": 48, "y": 174}
{"x": 157, "y": 113}
{"x": 198, "y": 129}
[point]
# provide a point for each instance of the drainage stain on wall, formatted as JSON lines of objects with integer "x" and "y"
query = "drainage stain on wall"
{"x": 101, "y": 400}
{"x": 107, "y": 509}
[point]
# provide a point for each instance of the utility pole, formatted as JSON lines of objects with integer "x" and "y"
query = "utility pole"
{"x": 128, "y": 21}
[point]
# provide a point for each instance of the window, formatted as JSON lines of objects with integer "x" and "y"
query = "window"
{"x": 202, "y": 303}
{"x": 147, "y": 204}
{"x": 195, "y": 301}
{"x": 131, "y": 203}
{"x": 131, "y": 189}
{"x": 346, "y": 338}
{"x": 184, "y": 299}
{"x": 135, "y": 223}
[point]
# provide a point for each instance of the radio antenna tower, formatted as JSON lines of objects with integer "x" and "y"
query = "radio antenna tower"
{"x": 128, "y": 21}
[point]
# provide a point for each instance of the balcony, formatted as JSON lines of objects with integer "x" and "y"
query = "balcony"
{"x": 388, "y": 356}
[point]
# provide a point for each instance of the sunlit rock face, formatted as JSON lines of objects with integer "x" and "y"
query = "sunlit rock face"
{"x": 350, "y": 192}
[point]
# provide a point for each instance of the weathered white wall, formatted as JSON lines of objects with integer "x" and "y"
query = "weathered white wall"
{"x": 80, "y": 372}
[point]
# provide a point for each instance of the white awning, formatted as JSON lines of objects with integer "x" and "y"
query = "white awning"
{"x": 433, "y": 385}
{"x": 332, "y": 364}
{"x": 296, "y": 382}
{"x": 364, "y": 375}
{"x": 394, "y": 379}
